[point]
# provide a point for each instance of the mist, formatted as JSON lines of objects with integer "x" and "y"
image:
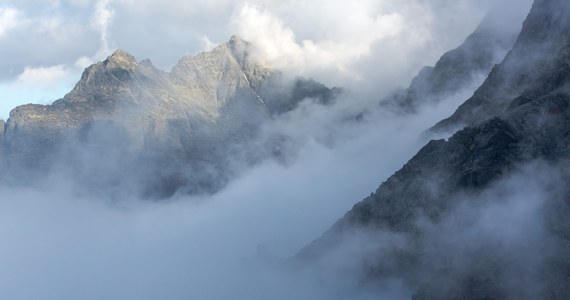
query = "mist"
{"x": 369, "y": 46}
{"x": 237, "y": 243}
{"x": 60, "y": 242}
{"x": 506, "y": 225}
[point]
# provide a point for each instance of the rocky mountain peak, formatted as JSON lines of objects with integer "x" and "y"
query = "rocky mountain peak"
{"x": 182, "y": 121}
{"x": 104, "y": 79}
{"x": 239, "y": 48}
{"x": 121, "y": 60}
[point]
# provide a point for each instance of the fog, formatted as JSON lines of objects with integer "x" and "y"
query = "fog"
{"x": 501, "y": 241}
{"x": 56, "y": 245}
{"x": 367, "y": 45}
{"x": 59, "y": 243}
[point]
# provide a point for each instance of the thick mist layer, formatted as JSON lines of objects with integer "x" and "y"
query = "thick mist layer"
{"x": 60, "y": 242}
{"x": 67, "y": 244}
{"x": 502, "y": 241}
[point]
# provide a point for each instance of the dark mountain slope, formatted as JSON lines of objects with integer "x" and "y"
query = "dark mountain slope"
{"x": 482, "y": 215}
{"x": 457, "y": 69}
{"x": 537, "y": 64}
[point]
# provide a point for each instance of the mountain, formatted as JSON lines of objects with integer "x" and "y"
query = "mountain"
{"x": 457, "y": 69}
{"x": 484, "y": 214}
{"x": 129, "y": 127}
{"x": 535, "y": 66}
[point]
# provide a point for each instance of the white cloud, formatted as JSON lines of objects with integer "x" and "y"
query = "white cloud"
{"x": 345, "y": 43}
{"x": 281, "y": 48}
{"x": 41, "y": 85}
{"x": 367, "y": 45}
{"x": 75, "y": 248}
{"x": 43, "y": 75}
{"x": 9, "y": 19}
{"x": 101, "y": 20}
{"x": 66, "y": 247}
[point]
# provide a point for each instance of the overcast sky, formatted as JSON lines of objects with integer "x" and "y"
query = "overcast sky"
{"x": 56, "y": 245}
{"x": 46, "y": 44}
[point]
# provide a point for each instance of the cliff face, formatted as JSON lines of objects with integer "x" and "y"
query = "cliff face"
{"x": 457, "y": 69}
{"x": 536, "y": 65}
{"x": 161, "y": 131}
{"x": 455, "y": 203}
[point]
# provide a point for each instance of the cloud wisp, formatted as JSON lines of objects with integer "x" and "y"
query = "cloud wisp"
{"x": 233, "y": 244}
{"x": 353, "y": 45}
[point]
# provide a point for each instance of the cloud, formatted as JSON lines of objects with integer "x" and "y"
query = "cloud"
{"x": 73, "y": 245}
{"x": 233, "y": 244}
{"x": 279, "y": 46}
{"x": 45, "y": 36}
{"x": 230, "y": 245}
{"x": 42, "y": 76}
{"x": 338, "y": 43}
{"x": 345, "y": 36}
{"x": 40, "y": 85}
{"x": 9, "y": 19}
{"x": 101, "y": 20}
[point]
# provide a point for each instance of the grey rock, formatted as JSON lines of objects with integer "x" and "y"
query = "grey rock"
{"x": 432, "y": 185}
{"x": 520, "y": 116}
{"x": 127, "y": 125}
{"x": 537, "y": 64}
{"x": 457, "y": 69}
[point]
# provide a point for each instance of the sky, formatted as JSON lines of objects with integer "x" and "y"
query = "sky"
{"x": 58, "y": 245}
{"x": 45, "y": 45}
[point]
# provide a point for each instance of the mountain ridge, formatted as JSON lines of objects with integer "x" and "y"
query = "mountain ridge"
{"x": 456, "y": 69}
{"x": 518, "y": 119}
{"x": 184, "y": 122}
{"x": 535, "y": 64}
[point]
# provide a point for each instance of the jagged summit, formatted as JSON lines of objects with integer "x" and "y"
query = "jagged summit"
{"x": 120, "y": 59}
{"x": 237, "y": 44}
{"x": 181, "y": 122}
{"x": 240, "y": 49}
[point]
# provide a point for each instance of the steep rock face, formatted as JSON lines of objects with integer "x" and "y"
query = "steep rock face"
{"x": 457, "y": 69}
{"x": 431, "y": 202}
{"x": 471, "y": 220}
{"x": 166, "y": 130}
{"x": 537, "y": 64}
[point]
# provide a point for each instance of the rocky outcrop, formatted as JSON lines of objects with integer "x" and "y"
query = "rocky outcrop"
{"x": 433, "y": 189}
{"x": 453, "y": 207}
{"x": 536, "y": 65}
{"x": 168, "y": 131}
{"x": 457, "y": 69}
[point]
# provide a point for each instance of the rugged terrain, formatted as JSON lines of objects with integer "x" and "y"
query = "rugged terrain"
{"x": 535, "y": 66}
{"x": 128, "y": 127}
{"x": 457, "y": 69}
{"x": 482, "y": 215}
